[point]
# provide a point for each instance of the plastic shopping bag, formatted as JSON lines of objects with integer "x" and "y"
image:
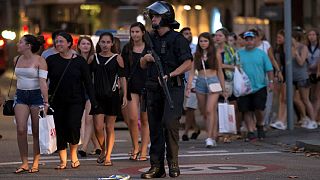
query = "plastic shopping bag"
{"x": 47, "y": 135}
{"x": 241, "y": 83}
{"x": 227, "y": 119}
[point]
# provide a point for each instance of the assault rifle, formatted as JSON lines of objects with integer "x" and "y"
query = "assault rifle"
{"x": 161, "y": 74}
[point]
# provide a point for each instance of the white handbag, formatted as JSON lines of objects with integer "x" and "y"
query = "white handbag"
{"x": 213, "y": 87}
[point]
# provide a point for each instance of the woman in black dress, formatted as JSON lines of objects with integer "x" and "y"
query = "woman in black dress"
{"x": 136, "y": 94}
{"x": 106, "y": 67}
{"x": 69, "y": 79}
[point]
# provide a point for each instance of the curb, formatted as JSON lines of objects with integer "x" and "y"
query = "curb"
{"x": 309, "y": 145}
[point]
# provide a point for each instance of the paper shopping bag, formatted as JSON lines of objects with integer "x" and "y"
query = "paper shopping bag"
{"x": 227, "y": 119}
{"x": 47, "y": 135}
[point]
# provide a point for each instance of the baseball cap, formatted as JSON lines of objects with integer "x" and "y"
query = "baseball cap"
{"x": 248, "y": 34}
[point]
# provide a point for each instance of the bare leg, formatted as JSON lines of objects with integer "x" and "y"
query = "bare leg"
{"x": 133, "y": 107}
{"x": 212, "y": 102}
{"x": 21, "y": 115}
{"x": 248, "y": 118}
{"x": 190, "y": 120}
{"x": 304, "y": 95}
{"x": 99, "y": 126}
{"x": 110, "y": 121}
{"x": 35, "y": 134}
{"x": 145, "y": 138}
{"x": 63, "y": 158}
{"x": 299, "y": 104}
{"x": 73, "y": 153}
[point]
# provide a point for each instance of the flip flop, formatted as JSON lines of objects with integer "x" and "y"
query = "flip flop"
{"x": 143, "y": 158}
{"x": 100, "y": 159}
{"x": 33, "y": 170}
{"x": 108, "y": 163}
{"x": 75, "y": 164}
{"x": 61, "y": 167}
{"x": 21, "y": 170}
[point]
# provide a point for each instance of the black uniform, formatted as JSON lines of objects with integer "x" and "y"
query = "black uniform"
{"x": 173, "y": 50}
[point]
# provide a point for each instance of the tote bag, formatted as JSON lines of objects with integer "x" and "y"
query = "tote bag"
{"x": 47, "y": 135}
{"x": 227, "y": 118}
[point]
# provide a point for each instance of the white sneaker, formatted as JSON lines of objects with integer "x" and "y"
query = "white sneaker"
{"x": 309, "y": 124}
{"x": 278, "y": 125}
{"x": 210, "y": 143}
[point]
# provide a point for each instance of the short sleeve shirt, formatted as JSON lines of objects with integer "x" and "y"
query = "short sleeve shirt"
{"x": 255, "y": 64}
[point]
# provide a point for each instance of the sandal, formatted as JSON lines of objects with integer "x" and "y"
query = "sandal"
{"x": 33, "y": 170}
{"x": 100, "y": 159}
{"x": 61, "y": 167}
{"x": 21, "y": 170}
{"x": 108, "y": 163}
{"x": 75, "y": 164}
{"x": 134, "y": 156}
{"x": 143, "y": 158}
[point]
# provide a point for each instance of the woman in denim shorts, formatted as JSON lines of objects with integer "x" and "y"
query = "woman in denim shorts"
{"x": 209, "y": 65}
{"x": 32, "y": 93}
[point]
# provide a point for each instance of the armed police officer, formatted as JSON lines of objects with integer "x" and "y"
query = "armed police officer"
{"x": 165, "y": 94}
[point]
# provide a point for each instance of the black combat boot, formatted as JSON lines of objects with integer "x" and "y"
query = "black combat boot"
{"x": 154, "y": 172}
{"x": 174, "y": 170}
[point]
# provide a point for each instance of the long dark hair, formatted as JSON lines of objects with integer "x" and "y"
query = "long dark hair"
{"x": 211, "y": 53}
{"x": 130, "y": 45}
{"x": 91, "y": 51}
{"x": 98, "y": 48}
{"x": 308, "y": 41}
{"x": 33, "y": 41}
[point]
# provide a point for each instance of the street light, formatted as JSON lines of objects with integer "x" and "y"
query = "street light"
{"x": 187, "y": 7}
{"x": 198, "y": 7}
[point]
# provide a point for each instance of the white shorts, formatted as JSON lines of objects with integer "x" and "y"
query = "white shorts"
{"x": 191, "y": 101}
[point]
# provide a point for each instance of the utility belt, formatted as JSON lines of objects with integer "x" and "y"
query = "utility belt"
{"x": 153, "y": 84}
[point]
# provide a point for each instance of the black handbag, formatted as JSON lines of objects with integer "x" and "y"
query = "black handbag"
{"x": 8, "y": 109}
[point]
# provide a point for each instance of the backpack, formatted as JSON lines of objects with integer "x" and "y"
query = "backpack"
{"x": 103, "y": 85}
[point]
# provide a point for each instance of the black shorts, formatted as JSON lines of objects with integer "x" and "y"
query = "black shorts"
{"x": 302, "y": 83}
{"x": 254, "y": 101}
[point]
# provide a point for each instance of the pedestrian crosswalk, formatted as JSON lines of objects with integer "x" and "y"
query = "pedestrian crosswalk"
{"x": 183, "y": 154}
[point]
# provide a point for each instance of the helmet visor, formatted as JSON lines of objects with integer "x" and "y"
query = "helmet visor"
{"x": 157, "y": 8}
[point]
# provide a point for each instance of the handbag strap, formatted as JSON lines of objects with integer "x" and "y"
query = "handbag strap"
{"x": 110, "y": 58}
{"x": 205, "y": 72}
{"x": 64, "y": 71}
{"x": 14, "y": 68}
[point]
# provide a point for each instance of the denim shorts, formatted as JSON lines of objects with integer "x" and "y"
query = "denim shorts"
{"x": 202, "y": 84}
{"x": 28, "y": 97}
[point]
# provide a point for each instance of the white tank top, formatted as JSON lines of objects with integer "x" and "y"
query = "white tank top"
{"x": 27, "y": 78}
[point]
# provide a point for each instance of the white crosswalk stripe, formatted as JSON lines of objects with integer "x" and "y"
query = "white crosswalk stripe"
{"x": 124, "y": 156}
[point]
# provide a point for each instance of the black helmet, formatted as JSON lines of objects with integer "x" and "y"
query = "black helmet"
{"x": 167, "y": 14}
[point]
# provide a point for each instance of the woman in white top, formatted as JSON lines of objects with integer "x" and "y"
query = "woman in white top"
{"x": 32, "y": 93}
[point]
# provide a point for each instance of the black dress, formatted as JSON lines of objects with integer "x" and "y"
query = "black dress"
{"x": 108, "y": 105}
{"x": 136, "y": 76}
{"x": 69, "y": 100}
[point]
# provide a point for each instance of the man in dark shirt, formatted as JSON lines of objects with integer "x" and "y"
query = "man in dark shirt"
{"x": 175, "y": 57}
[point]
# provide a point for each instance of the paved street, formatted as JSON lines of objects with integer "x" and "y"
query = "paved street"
{"x": 270, "y": 159}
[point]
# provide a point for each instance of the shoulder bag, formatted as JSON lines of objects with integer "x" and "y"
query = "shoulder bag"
{"x": 8, "y": 109}
{"x": 213, "y": 87}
